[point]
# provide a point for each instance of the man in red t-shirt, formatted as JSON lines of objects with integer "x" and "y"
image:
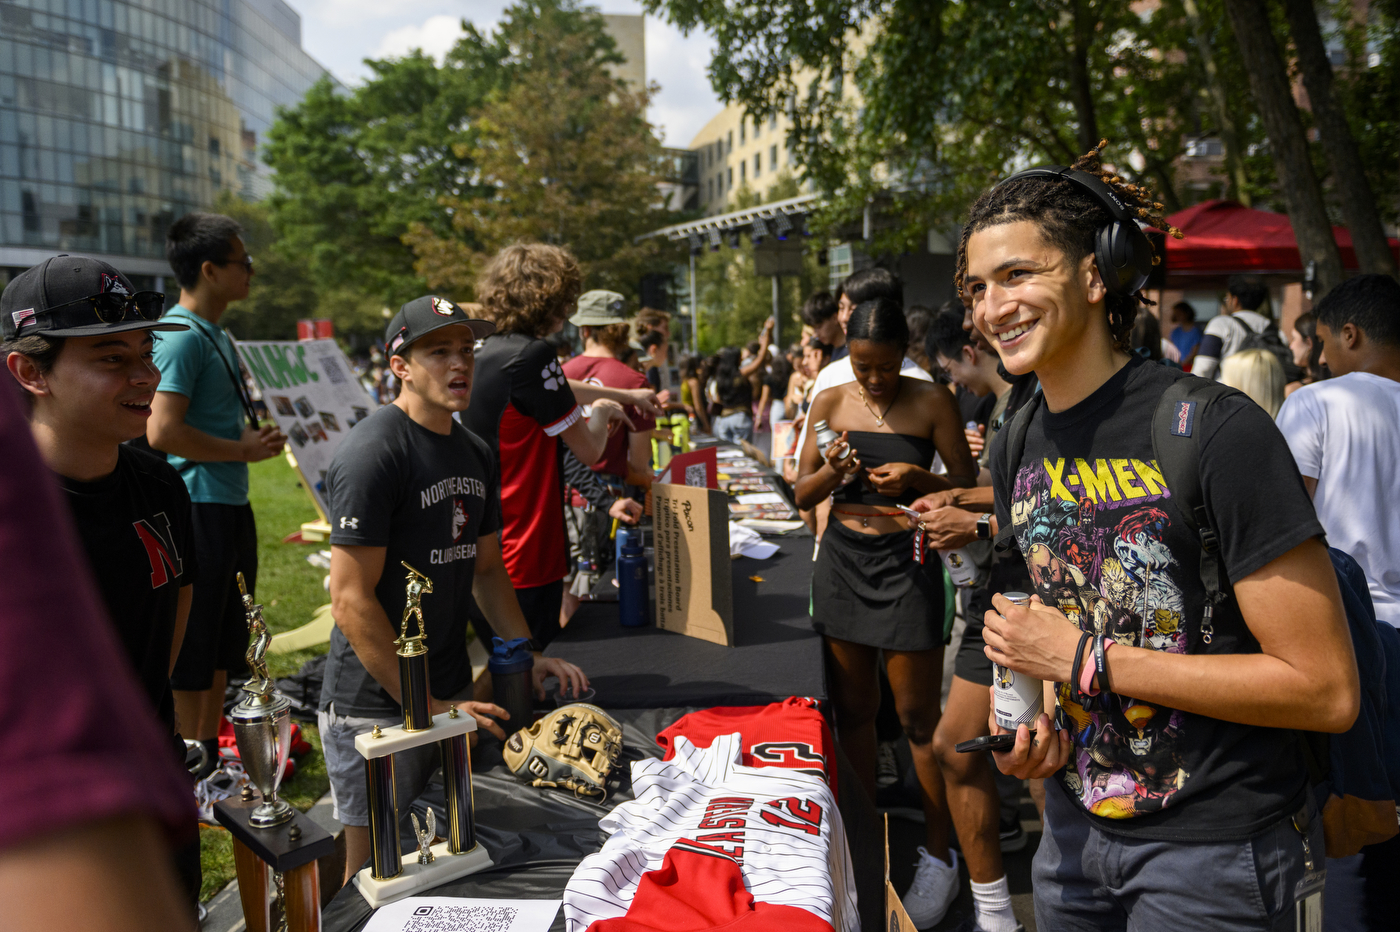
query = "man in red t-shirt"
{"x": 604, "y": 331}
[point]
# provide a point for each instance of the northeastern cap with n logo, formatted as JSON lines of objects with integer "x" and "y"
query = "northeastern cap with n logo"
{"x": 422, "y": 316}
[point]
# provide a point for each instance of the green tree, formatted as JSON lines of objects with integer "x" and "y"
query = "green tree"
{"x": 356, "y": 169}
{"x": 562, "y": 154}
{"x": 283, "y": 291}
{"x": 920, "y": 104}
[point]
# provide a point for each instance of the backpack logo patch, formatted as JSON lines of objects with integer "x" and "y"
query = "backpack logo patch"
{"x": 1184, "y": 419}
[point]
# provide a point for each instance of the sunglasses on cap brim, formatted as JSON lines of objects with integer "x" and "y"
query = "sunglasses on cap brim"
{"x": 109, "y": 307}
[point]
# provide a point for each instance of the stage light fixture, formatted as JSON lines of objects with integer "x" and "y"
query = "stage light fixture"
{"x": 734, "y": 237}
{"x": 782, "y": 226}
{"x": 759, "y": 230}
{"x": 714, "y": 240}
{"x": 696, "y": 246}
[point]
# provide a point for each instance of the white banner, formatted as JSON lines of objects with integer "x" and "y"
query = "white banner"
{"x": 311, "y": 391}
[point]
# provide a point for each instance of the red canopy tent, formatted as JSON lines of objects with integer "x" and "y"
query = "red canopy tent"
{"x": 1224, "y": 238}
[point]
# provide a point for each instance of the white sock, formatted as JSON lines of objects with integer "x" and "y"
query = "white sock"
{"x": 993, "y": 904}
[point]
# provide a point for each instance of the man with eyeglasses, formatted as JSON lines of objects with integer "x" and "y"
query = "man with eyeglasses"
{"x": 77, "y": 339}
{"x": 202, "y": 419}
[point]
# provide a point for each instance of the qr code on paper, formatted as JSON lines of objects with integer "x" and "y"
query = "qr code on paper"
{"x": 695, "y": 475}
{"x": 461, "y": 919}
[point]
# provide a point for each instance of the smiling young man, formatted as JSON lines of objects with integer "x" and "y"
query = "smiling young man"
{"x": 78, "y": 340}
{"x": 1179, "y": 796}
{"x": 411, "y": 484}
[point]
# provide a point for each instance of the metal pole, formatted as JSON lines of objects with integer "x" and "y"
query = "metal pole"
{"x": 777, "y": 337}
{"x": 386, "y": 859}
{"x": 694, "y": 314}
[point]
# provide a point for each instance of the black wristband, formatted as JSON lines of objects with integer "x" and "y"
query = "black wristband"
{"x": 1074, "y": 691}
{"x": 1101, "y": 663}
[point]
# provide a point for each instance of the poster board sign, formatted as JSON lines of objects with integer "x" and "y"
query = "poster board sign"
{"x": 698, "y": 468}
{"x": 896, "y": 919}
{"x": 694, "y": 589}
{"x": 311, "y": 392}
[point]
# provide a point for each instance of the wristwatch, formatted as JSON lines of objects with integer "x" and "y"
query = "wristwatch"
{"x": 984, "y": 526}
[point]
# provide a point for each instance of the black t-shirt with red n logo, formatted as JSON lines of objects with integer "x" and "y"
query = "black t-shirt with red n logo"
{"x": 135, "y": 527}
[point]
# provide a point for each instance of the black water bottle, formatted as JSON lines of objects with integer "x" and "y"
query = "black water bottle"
{"x": 511, "y": 667}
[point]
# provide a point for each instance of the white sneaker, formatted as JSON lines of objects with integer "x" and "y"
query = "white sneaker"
{"x": 934, "y": 888}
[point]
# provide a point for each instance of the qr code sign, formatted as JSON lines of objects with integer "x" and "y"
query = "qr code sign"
{"x": 461, "y": 919}
{"x": 695, "y": 475}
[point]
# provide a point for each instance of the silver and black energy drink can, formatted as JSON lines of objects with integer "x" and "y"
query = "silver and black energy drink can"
{"x": 1019, "y": 698}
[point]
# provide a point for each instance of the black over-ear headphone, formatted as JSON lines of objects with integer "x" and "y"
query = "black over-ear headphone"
{"x": 1123, "y": 252}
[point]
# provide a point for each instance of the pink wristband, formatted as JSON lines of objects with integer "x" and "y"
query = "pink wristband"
{"x": 1086, "y": 673}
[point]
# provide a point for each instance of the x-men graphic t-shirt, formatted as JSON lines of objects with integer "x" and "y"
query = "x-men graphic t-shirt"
{"x": 425, "y": 497}
{"x": 1105, "y": 543}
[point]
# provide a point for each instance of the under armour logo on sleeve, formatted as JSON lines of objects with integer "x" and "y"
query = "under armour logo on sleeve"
{"x": 351, "y": 523}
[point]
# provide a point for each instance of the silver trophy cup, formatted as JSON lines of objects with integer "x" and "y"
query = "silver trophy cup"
{"x": 262, "y": 724}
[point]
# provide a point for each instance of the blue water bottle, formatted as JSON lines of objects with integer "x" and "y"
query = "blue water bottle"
{"x": 512, "y": 687}
{"x": 634, "y": 605}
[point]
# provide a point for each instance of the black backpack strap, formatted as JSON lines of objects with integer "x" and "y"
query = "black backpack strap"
{"x": 1176, "y": 445}
{"x": 1015, "y": 431}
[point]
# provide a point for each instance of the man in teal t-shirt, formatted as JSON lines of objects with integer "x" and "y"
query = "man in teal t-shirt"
{"x": 198, "y": 421}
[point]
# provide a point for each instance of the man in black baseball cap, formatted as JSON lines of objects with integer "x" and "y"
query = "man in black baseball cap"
{"x": 422, "y": 316}
{"x": 75, "y": 296}
{"x": 78, "y": 342}
{"x": 410, "y": 484}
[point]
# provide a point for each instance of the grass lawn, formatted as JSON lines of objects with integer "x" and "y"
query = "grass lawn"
{"x": 290, "y": 589}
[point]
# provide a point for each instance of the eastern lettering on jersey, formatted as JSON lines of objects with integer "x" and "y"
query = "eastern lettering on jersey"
{"x": 459, "y": 518}
{"x": 160, "y": 548}
{"x": 453, "y": 485}
{"x": 1094, "y": 538}
{"x": 452, "y": 554}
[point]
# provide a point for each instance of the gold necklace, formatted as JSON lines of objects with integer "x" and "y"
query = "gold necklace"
{"x": 879, "y": 418}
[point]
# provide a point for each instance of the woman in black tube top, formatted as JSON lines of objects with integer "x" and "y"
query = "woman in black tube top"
{"x": 870, "y": 593}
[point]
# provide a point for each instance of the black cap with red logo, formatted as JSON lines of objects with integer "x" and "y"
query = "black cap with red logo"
{"x": 422, "y": 316}
{"x": 77, "y": 296}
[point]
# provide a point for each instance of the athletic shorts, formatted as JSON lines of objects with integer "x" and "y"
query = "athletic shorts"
{"x": 971, "y": 663}
{"x": 346, "y": 768}
{"x": 216, "y": 636}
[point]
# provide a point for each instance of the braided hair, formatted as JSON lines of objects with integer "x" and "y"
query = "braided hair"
{"x": 1068, "y": 217}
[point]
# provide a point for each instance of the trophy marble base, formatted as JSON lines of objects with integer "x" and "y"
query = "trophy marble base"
{"x": 419, "y": 877}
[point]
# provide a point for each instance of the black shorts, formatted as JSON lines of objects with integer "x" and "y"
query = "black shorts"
{"x": 216, "y": 637}
{"x": 539, "y": 604}
{"x": 971, "y": 663}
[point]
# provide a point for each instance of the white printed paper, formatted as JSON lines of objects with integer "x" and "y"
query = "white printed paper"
{"x": 761, "y": 498}
{"x": 459, "y": 914}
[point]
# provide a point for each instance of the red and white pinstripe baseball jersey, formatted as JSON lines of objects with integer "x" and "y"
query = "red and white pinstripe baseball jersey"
{"x": 791, "y": 734}
{"x": 698, "y": 888}
{"x": 780, "y": 826}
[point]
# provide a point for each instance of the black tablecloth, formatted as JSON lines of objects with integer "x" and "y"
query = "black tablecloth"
{"x": 537, "y": 836}
{"x": 776, "y": 652}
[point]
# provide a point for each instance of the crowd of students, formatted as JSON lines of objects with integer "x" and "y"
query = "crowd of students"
{"x": 1017, "y": 425}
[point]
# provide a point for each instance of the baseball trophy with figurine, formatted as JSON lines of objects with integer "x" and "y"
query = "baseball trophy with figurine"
{"x": 388, "y": 878}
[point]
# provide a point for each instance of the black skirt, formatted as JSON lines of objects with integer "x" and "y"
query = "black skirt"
{"x": 867, "y": 589}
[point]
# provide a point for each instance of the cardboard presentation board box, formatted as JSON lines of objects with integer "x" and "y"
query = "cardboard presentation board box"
{"x": 896, "y": 919}
{"x": 694, "y": 589}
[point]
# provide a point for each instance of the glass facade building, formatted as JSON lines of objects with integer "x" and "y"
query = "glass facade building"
{"x": 118, "y": 117}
